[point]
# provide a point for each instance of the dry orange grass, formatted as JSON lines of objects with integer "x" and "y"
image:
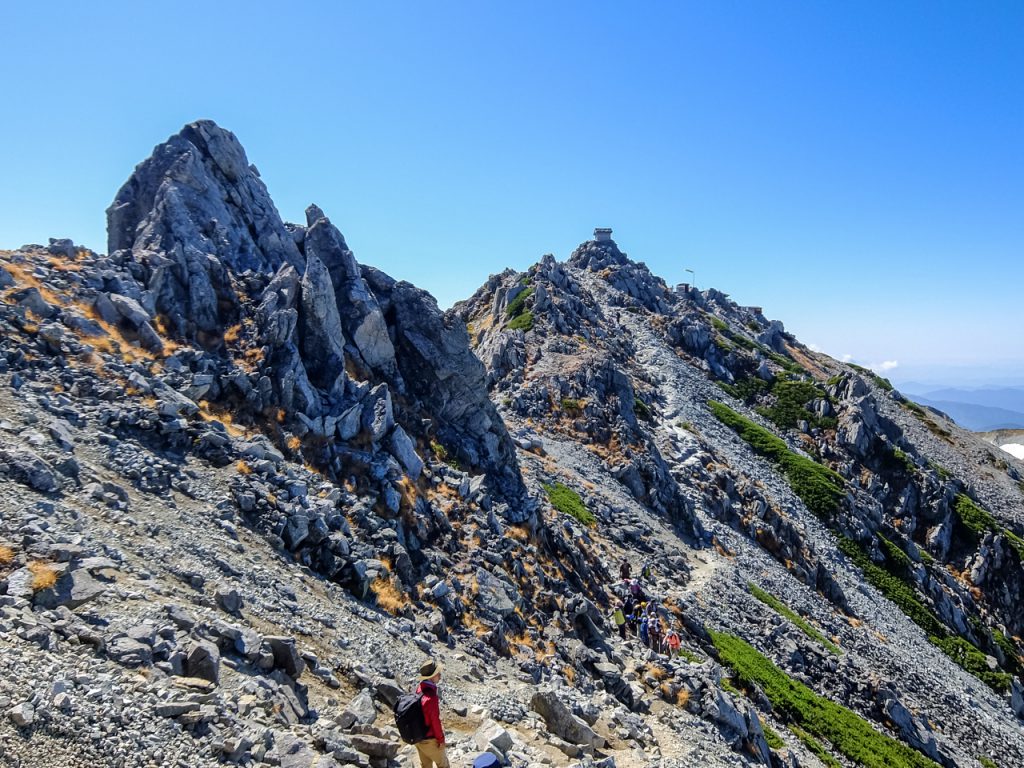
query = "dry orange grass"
{"x": 388, "y": 596}
{"x": 43, "y": 575}
{"x": 682, "y": 697}
{"x": 294, "y": 443}
{"x": 243, "y": 468}
{"x": 232, "y": 334}
{"x": 658, "y": 673}
{"x": 207, "y": 412}
{"x": 6, "y": 555}
{"x": 569, "y": 673}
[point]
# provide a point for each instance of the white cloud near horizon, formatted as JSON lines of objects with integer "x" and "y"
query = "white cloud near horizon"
{"x": 885, "y": 366}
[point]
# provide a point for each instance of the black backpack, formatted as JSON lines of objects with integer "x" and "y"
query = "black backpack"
{"x": 409, "y": 718}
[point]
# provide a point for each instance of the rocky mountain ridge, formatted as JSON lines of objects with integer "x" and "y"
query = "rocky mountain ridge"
{"x": 247, "y": 482}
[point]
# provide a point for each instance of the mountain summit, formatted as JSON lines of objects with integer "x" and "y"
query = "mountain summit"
{"x": 247, "y": 483}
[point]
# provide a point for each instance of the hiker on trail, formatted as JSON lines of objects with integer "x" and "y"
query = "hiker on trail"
{"x": 619, "y": 617}
{"x": 645, "y": 637}
{"x": 672, "y": 642}
{"x": 647, "y": 574}
{"x": 654, "y": 630}
{"x": 431, "y": 749}
{"x": 625, "y": 569}
{"x": 636, "y": 590}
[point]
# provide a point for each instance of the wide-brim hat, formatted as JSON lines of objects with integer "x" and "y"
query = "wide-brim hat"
{"x": 428, "y": 669}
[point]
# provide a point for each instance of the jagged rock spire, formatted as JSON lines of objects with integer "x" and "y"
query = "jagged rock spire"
{"x": 191, "y": 212}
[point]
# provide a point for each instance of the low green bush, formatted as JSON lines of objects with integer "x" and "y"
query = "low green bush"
{"x": 893, "y": 582}
{"x": 571, "y": 405}
{"x": 796, "y": 619}
{"x": 568, "y": 502}
{"x": 522, "y": 322}
{"x": 641, "y": 409}
{"x": 973, "y": 517}
{"x": 815, "y": 748}
{"x": 818, "y": 487}
{"x": 845, "y": 730}
{"x": 774, "y": 740}
{"x": 517, "y": 306}
{"x": 719, "y": 325}
{"x": 791, "y": 399}
{"x": 974, "y": 661}
{"x": 894, "y": 587}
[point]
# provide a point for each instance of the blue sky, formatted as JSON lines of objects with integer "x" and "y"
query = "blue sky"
{"x": 855, "y": 168}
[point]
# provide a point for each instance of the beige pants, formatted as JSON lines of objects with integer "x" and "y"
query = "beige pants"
{"x": 431, "y": 754}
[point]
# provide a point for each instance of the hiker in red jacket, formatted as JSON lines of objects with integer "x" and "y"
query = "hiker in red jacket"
{"x": 431, "y": 749}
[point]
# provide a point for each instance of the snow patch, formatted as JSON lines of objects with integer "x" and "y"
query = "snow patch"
{"x": 1014, "y": 449}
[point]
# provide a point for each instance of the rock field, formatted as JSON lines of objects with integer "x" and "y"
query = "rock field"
{"x": 247, "y": 485}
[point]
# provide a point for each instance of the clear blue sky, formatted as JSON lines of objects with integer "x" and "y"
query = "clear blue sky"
{"x": 855, "y": 168}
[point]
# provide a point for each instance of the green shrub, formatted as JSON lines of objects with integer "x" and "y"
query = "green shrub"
{"x": 900, "y": 560}
{"x": 746, "y": 389}
{"x": 972, "y": 517}
{"x": 774, "y": 740}
{"x": 1016, "y": 542}
{"x": 568, "y": 502}
{"x": 896, "y": 586}
{"x": 796, "y": 619}
{"x": 987, "y": 762}
{"x": 741, "y": 341}
{"x": 641, "y": 409}
{"x": 815, "y": 748}
{"x": 903, "y": 459}
{"x": 517, "y": 306}
{"x": 523, "y": 322}
{"x": 571, "y": 405}
{"x": 719, "y": 325}
{"x": 893, "y": 587}
{"x": 791, "y": 399}
{"x": 846, "y": 731}
{"x": 972, "y": 660}
{"x": 818, "y": 487}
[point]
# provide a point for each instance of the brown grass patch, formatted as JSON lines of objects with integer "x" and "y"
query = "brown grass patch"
{"x": 682, "y": 697}
{"x": 243, "y": 468}
{"x": 232, "y": 334}
{"x": 658, "y": 673}
{"x": 388, "y": 596}
{"x": 569, "y": 673}
{"x": 6, "y": 555}
{"x": 44, "y": 575}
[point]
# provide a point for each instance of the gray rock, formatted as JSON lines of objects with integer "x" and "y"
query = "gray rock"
{"x": 22, "y": 715}
{"x": 191, "y": 211}
{"x": 492, "y": 737}
{"x": 228, "y": 599}
{"x": 403, "y": 449}
{"x": 359, "y": 710}
{"x": 73, "y": 589}
{"x": 203, "y": 661}
{"x": 28, "y": 468}
{"x": 562, "y": 722}
{"x": 286, "y": 655}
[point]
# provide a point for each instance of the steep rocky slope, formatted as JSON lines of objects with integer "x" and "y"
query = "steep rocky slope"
{"x": 247, "y": 483}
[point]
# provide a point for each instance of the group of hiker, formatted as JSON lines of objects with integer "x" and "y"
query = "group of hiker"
{"x": 636, "y": 613}
{"x": 640, "y": 615}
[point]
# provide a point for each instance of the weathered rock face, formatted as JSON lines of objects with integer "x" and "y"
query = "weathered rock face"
{"x": 190, "y": 215}
{"x": 442, "y": 373}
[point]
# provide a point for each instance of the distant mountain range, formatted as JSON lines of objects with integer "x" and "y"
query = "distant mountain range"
{"x": 980, "y": 410}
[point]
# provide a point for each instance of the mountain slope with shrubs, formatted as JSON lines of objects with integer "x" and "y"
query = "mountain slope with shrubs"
{"x": 248, "y": 483}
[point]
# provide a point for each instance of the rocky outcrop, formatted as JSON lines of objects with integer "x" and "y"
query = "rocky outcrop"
{"x": 204, "y": 250}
